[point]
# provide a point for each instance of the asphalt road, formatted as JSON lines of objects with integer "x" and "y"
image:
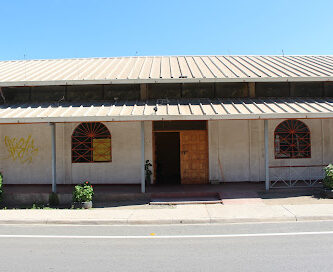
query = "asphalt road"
{"x": 306, "y": 246}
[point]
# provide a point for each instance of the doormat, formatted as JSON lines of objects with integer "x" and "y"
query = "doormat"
{"x": 185, "y": 198}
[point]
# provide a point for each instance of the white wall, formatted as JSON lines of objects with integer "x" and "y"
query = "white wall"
{"x": 126, "y": 158}
{"x": 315, "y": 127}
{"x": 25, "y": 157}
{"x": 236, "y": 152}
{"x": 229, "y": 152}
{"x": 124, "y": 168}
{"x": 327, "y": 137}
{"x": 236, "y": 149}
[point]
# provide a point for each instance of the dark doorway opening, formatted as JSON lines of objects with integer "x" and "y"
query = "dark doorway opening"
{"x": 167, "y": 154}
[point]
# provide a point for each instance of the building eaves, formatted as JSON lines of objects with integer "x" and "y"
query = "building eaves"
{"x": 173, "y": 109}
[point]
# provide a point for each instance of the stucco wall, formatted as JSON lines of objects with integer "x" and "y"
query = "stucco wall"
{"x": 327, "y": 136}
{"x": 236, "y": 150}
{"x": 25, "y": 155}
{"x": 229, "y": 151}
{"x": 126, "y": 158}
{"x": 124, "y": 168}
{"x": 315, "y": 127}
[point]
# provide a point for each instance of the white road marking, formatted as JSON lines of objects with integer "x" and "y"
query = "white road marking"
{"x": 166, "y": 236}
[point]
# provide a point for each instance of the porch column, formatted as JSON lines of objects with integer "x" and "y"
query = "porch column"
{"x": 53, "y": 139}
{"x": 266, "y": 155}
{"x": 143, "y": 182}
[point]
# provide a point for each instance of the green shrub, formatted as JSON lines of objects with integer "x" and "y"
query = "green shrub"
{"x": 1, "y": 184}
{"x": 37, "y": 206}
{"x": 53, "y": 199}
{"x": 328, "y": 179}
{"x": 148, "y": 172}
{"x": 83, "y": 192}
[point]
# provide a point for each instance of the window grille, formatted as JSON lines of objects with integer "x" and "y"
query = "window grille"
{"x": 292, "y": 140}
{"x": 91, "y": 142}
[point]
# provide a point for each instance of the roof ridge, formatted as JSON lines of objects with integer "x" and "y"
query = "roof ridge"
{"x": 164, "y": 56}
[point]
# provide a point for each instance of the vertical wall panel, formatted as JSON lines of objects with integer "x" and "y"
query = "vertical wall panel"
{"x": 234, "y": 149}
{"x": 67, "y": 146}
{"x": 328, "y": 141}
{"x": 213, "y": 152}
{"x": 256, "y": 150}
{"x": 60, "y": 155}
{"x": 25, "y": 156}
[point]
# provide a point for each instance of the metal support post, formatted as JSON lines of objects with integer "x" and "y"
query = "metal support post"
{"x": 143, "y": 182}
{"x": 53, "y": 139}
{"x": 266, "y": 155}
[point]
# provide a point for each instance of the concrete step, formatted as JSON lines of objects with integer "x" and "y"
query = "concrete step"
{"x": 174, "y": 198}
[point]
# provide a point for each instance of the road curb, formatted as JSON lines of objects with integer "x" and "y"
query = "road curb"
{"x": 314, "y": 218}
{"x": 161, "y": 221}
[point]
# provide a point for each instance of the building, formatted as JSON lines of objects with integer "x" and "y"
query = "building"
{"x": 197, "y": 119}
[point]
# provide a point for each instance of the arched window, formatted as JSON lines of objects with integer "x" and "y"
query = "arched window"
{"x": 292, "y": 140}
{"x": 91, "y": 142}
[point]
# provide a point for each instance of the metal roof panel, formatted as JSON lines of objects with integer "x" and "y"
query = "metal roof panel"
{"x": 166, "y": 69}
{"x": 183, "y": 109}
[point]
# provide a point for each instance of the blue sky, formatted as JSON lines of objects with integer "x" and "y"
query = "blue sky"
{"x": 35, "y": 29}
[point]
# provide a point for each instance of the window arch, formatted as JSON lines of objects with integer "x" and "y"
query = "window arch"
{"x": 292, "y": 140}
{"x": 91, "y": 142}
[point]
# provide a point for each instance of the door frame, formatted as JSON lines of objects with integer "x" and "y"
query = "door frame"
{"x": 154, "y": 149}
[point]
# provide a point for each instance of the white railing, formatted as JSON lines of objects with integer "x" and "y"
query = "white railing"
{"x": 296, "y": 176}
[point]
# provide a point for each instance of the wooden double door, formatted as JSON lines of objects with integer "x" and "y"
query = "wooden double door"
{"x": 192, "y": 149}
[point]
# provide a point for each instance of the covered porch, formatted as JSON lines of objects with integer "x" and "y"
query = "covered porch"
{"x": 266, "y": 113}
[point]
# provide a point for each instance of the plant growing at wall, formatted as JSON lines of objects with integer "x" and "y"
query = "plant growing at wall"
{"x": 53, "y": 199}
{"x": 328, "y": 179}
{"x": 148, "y": 172}
{"x": 83, "y": 192}
{"x": 1, "y": 184}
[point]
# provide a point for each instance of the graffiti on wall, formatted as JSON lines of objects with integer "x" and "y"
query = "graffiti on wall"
{"x": 21, "y": 149}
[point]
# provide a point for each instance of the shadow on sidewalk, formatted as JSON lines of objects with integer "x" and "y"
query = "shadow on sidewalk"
{"x": 286, "y": 193}
{"x": 118, "y": 196}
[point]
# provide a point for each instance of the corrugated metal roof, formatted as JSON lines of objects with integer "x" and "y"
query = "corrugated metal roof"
{"x": 162, "y": 109}
{"x": 165, "y": 69}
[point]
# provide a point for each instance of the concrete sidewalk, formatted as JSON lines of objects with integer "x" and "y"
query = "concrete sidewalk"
{"x": 178, "y": 214}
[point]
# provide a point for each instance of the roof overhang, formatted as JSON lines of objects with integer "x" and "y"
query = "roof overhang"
{"x": 161, "y": 80}
{"x": 162, "y": 109}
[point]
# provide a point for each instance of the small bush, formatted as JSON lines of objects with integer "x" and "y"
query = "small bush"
{"x": 148, "y": 172}
{"x": 83, "y": 192}
{"x": 53, "y": 199}
{"x": 328, "y": 179}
